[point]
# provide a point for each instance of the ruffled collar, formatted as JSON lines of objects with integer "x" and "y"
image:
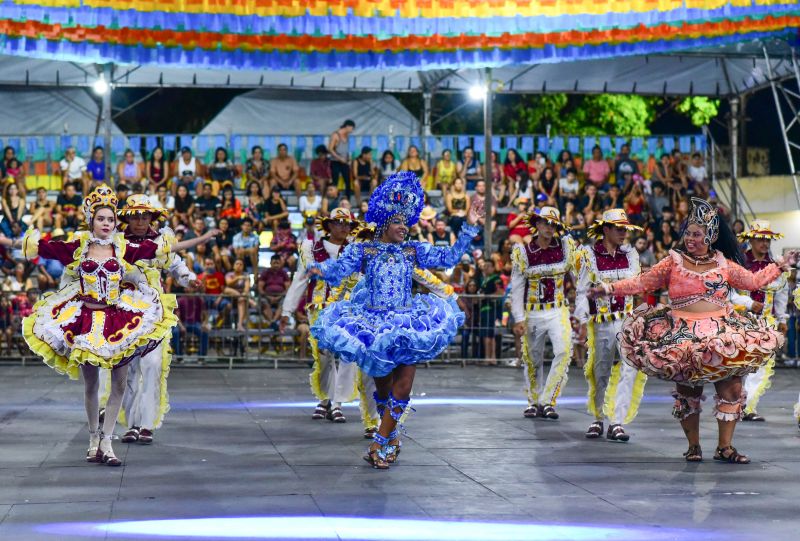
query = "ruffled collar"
{"x": 102, "y": 242}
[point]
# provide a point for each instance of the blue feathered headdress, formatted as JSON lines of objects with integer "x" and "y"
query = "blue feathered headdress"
{"x": 401, "y": 193}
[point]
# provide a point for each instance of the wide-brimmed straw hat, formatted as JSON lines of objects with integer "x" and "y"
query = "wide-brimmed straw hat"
{"x": 760, "y": 229}
{"x": 615, "y": 217}
{"x": 549, "y": 214}
{"x": 140, "y": 204}
{"x": 338, "y": 214}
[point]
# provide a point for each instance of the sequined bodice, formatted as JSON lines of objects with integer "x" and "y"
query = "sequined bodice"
{"x": 388, "y": 274}
{"x": 100, "y": 280}
{"x": 604, "y": 267}
{"x": 766, "y": 294}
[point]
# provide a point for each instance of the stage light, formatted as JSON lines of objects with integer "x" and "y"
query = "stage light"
{"x": 367, "y": 529}
{"x": 478, "y": 92}
{"x": 100, "y": 86}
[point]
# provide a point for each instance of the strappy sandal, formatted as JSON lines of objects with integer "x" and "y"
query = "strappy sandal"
{"x": 376, "y": 457}
{"x": 131, "y": 436}
{"x": 392, "y": 450}
{"x": 369, "y": 433}
{"x": 617, "y": 433}
{"x": 595, "y": 430}
{"x": 107, "y": 457}
{"x": 733, "y": 458}
{"x": 531, "y": 412}
{"x": 549, "y": 412}
{"x": 753, "y": 417}
{"x": 146, "y": 437}
{"x": 320, "y": 412}
{"x": 94, "y": 445}
{"x": 337, "y": 416}
{"x": 694, "y": 454}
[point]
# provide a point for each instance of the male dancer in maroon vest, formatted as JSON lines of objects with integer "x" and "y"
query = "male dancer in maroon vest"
{"x": 331, "y": 384}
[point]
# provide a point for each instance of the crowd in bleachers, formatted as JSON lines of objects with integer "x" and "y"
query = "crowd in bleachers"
{"x": 266, "y": 207}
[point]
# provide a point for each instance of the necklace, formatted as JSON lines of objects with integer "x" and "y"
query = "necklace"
{"x": 700, "y": 260}
{"x": 101, "y": 242}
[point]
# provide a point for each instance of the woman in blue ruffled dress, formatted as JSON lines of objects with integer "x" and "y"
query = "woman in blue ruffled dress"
{"x": 386, "y": 330}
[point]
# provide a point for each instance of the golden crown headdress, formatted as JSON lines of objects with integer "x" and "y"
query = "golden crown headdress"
{"x": 102, "y": 196}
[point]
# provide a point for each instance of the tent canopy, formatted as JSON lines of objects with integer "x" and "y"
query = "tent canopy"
{"x": 45, "y": 111}
{"x": 298, "y": 112}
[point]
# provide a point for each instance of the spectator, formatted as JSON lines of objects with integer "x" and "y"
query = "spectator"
{"x": 222, "y": 248}
{"x": 427, "y": 222}
{"x": 569, "y": 187}
{"x": 67, "y": 205}
{"x": 13, "y": 210}
{"x": 490, "y": 310}
{"x": 339, "y": 150}
{"x": 445, "y": 171}
{"x": 255, "y": 203}
{"x": 284, "y": 171}
{"x": 590, "y": 203}
{"x": 597, "y": 169}
{"x": 122, "y": 195}
{"x": 471, "y": 328}
{"x": 237, "y": 286}
{"x": 698, "y": 176}
{"x": 208, "y": 205}
{"x": 163, "y": 199}
{"x": 665, "y": 240}
{"x": 213, "y": 285}
{"x": 498, "y": 176}
{"x": 221, "y": 169}
{"x": 273, "y": 283}
{"x": 331, "y": 200}
{"x": 565, "y": 162}
{"x": 199, "y": 252}
{"x": 440, "y": 236}
{"x": 14, "y": 173}
{"x": 9, "y": 153}
{"x": 548, "y": 186}
{"x": 187, "y": 170}
{"x": 463, "y": 273}
{"x": 388, "y": 166}
{"x": 184, "y": 206}
{"x": 365, "y": 174}
{"x": 245, "y": 244}
{"x": 310, "y": 231}
{"x": 41, "y": 210}
{"x": 310, "y": 203}
{"x": 657, "y": 200}
{"x": 156, "y": 170}
{"x": 635, "y": 204}
{"x": 6, "y": 323}
{"x": 575, "y": 221}
{"x": 19, "y": 280}
{"x": 518, "y": 228}
{"x": 469, "y": 168}
{"x": 49, "y": 271}
{"x": 256, "y": 169}
{"x": 128, "y": 171}
{"x": 96, "y": 173}
{"x": 73, "y": 170}
{"x": 457, "y": 204}
{"x": 414, "y": 163}
{"x": 515, "y": 170}
{"x": 284, "y": 244}
{"x": 193, "y": 320}
{"x": 275, "y": 210}
{"x": 230, "y": 207}
{"x": 624, "y": 163}
{"x": 614, "y": 199}
{"x": 646, "y": 257}
{"x": 320, "y": 169}
{"x": 536, "y": 165}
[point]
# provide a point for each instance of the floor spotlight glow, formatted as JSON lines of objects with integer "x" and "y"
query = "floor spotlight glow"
{"x": 366, "y": 529}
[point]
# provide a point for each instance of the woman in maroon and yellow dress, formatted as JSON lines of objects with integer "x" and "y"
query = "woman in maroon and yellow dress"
{"x": 104, "y": 315}
{"x": 700, "y": 339}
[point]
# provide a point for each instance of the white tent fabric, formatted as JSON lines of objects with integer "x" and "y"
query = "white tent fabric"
{"x": 38, "y": 111}
{"x": 721, "y": 72}
{"x": 303, "y": 112}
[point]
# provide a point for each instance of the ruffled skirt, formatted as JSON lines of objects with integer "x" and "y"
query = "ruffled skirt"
{"x": 379, "y": 341}
{"x": 696, "y": 351}
{"x": 67, "y": 333}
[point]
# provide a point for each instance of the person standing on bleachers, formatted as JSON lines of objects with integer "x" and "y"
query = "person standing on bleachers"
{"x": 339, "y": 150}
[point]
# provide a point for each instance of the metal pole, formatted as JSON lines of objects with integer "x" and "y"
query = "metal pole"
{"x": 107, "y": 123}
{"x": 734, "y": 137}
{"x": 427, "y": 107}
{"x": 782, "y": 121}
{"x": 487, "y": 165}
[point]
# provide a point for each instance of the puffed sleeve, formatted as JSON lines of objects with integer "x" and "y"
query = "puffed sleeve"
{"x": 741, "y": 278}
{"x": 444, "y": 257}
{"x": 146, "y": 249}
{"x": 33, "y": 245}
{"x": 656, "y": 278}
{"x": 336, "y": 270}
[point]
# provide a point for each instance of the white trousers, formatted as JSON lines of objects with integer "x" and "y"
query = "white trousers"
{"x": 332, "y": 379}
{"x": 615, "y": 388}
{"x": 552, "y": 323}
{"x": 146, "y": 400}
{"x": 756, "y": 384}
{"x": 366, "y": 401}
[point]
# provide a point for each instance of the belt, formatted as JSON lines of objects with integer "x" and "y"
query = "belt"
{"x": 609, "y": 316}
{"x": 531, "y": 306}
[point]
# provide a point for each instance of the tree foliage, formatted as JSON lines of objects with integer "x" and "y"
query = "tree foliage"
{"x": 699, "y": 110}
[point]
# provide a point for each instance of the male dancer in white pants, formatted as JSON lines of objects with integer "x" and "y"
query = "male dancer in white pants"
{"x": 615, "y": 388}
{"x": 771, "y": 302}
{"x": 539, "y": 307}
{"x": 146, "y": 400}
{"x": 332, "y": 382}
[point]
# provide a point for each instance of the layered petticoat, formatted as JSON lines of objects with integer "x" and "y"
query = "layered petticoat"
{"x": 67, "y": 334}
{"x": 380, "y": 340}
{"x": 695, "y": 351}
